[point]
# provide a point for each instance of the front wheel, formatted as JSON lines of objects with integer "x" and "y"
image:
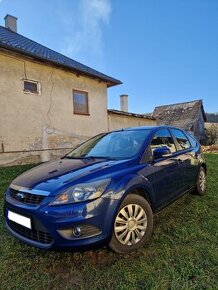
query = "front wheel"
{"x": 133, "y": 224}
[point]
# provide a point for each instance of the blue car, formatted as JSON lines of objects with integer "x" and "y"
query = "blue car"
{"x": 106, "y": 190}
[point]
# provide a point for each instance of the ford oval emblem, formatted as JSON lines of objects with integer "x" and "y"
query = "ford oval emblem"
{"x": 20, "y": 196}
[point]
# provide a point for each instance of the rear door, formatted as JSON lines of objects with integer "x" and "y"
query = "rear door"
{"x": 187, "y": 159}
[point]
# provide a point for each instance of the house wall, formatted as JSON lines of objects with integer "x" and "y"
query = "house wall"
{"x": 116, "y": 121}
{"x": 32, "y": 122}
{"x": 199, "y": 127}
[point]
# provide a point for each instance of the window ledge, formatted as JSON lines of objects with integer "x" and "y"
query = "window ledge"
{"x": 83, "y": 114}
{"x": 31, "y": 93}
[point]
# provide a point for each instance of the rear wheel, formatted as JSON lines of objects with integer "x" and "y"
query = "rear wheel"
{"x": 201, "y": 183}
{"x": 133, "y": 224}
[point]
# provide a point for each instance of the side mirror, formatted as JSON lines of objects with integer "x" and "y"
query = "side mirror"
{"x": 160, "y": 152}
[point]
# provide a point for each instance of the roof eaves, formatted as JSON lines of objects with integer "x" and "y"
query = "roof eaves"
{"x": 83, "y": 70}
{"x": 143, "y": 116}
{"x": 111, "y": 82}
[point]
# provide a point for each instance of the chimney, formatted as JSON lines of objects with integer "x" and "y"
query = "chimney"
{"x": 11, "y": 22}
{"x": 124, "y": 103}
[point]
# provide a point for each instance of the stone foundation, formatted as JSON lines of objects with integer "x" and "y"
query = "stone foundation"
{"x": 35, "y": 153}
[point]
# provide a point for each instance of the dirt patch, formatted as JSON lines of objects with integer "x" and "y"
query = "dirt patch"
{"x": 210, "y": 149}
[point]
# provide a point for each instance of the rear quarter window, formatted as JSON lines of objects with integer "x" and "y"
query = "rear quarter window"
{"x": 182, "y": 141}
{"x": 192, "y": 140}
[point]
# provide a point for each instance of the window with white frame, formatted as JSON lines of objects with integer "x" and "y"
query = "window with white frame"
{"x": 30, "y": 86}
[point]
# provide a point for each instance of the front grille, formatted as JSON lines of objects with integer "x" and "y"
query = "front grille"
{"x": 26, "y": 197}
{"x": 37, "y": 236}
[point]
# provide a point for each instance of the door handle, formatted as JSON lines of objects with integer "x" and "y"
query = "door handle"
{"x": 180, "y": 161}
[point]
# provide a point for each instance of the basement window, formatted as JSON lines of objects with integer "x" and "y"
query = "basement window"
{"x": 80, "y": 102}
{"x": 31, "y": 87}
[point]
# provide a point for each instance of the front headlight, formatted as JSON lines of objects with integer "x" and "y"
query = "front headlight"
{"x": 81, "y": 192}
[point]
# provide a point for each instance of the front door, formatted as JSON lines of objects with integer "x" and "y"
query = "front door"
{"x": 165, "y": 173}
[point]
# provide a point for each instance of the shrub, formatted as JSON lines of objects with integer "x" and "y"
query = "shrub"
{"x": 211, "y": 134}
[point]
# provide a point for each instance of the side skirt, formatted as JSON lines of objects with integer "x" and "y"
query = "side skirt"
{"x": 174, "y": 200}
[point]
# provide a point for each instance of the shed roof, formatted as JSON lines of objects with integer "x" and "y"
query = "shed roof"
{"x": 180, "y": 115}
{"x": 16, "y": 42}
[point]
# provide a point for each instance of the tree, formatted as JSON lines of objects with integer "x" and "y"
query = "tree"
{"x": 212, "y": 117}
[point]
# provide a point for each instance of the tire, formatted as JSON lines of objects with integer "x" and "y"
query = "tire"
{"x": 133, "y": 224}
{"x": 201, "y": 182}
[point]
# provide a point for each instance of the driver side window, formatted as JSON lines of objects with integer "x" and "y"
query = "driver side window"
{"x": 163, "y": 138}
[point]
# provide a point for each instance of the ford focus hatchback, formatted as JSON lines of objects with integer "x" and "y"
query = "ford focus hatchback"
{"x": 105, "y": 191}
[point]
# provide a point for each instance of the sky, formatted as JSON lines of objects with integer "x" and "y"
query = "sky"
{"x": 164, "y": 51}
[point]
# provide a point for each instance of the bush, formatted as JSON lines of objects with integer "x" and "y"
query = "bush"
{"x": 211, "y": 134}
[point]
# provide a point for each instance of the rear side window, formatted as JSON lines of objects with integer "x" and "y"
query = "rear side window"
{"x": 182, "y": 140}
{"x": 192, "y": 140}
{"x": 163, "y": 138}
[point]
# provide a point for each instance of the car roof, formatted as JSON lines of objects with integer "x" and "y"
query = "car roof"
{"x": 152, "y": 128}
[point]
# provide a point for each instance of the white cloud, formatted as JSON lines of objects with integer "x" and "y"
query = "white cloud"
{"x": 84, "y": 39}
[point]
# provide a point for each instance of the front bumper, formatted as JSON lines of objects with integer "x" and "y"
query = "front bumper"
{"x": 47, "y": 220}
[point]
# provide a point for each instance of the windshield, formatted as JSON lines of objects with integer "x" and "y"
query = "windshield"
{"x": 114, "y": 145}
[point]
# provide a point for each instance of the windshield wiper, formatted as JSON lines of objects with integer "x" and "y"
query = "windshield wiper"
{"x": 98, "y": 157}
{"x": 89, "y": 157}
{"x": 70, "y": 157}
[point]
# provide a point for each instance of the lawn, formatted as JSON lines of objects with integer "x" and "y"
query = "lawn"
{"x": 182, "y": 253}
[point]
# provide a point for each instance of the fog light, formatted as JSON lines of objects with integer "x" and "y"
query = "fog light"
{"x": 76, "y": 231}
{"x": 81, "y": 231}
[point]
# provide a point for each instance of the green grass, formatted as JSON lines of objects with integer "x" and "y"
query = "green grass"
{"x": 182, "y": 253}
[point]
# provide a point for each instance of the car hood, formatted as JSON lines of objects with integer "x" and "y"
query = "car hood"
{"x": 59, "y": 174}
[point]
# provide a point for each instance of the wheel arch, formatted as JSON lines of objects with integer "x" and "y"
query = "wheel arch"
{"x": 136, "y": 184}
{"x": 204, "y": 166}
{"x": 139, "y": 190}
